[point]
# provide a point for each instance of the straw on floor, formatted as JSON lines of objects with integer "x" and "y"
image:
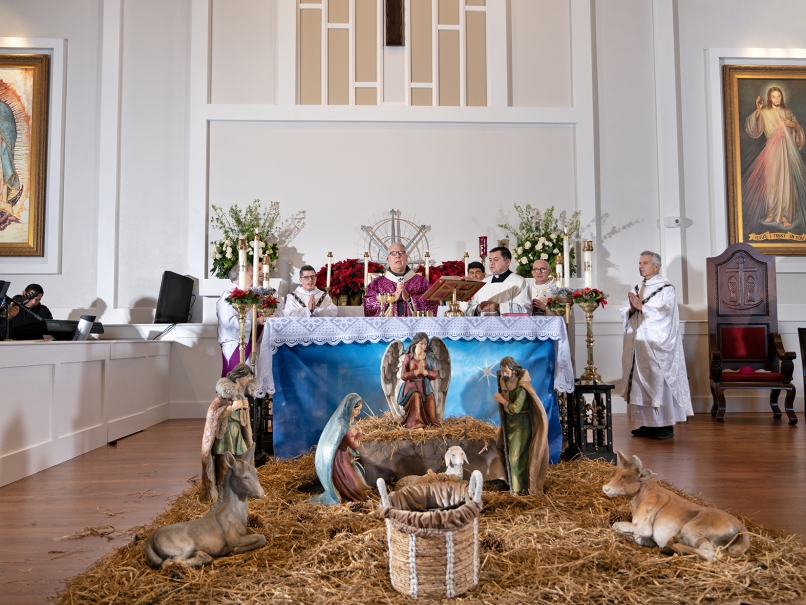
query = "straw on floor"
{"x": 549, "y": 549}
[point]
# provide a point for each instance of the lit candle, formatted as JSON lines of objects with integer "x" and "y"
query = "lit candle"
{"x": 256, "y": 259}
{"x": 467, "y": 261}
{"x": 483, "y": 246}
{"x": 566, "y": 260}
{"x": 242, "y": 263}
{"x": 558, "y": 268}
{"x": 329, "y": 262}
{"x": 366, "y": 269}
{"x": 266, "y": 269}
{"x": 427, "y": 259}
{"x": 587, "y": 254}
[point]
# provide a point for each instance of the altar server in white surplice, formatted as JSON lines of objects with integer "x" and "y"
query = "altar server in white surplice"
{"x": 308, "y": 300}
{"x": 656, "y": 382}
{"x": 505, "y": 292}
{"x": 541, "y": 287}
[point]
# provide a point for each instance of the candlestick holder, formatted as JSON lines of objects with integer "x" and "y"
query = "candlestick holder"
{"x": 241, "y": 310}
{"x": 454, "y": 310}
{"x": 590, "y": 376}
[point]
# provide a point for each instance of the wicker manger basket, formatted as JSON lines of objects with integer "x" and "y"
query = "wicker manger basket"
{"x": 433, "y": 535}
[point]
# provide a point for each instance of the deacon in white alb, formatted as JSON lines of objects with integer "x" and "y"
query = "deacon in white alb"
{"x": 656, "y": 382}
{"x": 308, "y": 300}
{"x": 505, "y": 292}
{"x": 541, "y": 287}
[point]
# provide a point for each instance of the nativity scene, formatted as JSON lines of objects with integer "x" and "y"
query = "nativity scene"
{"x": 383, "y": 301}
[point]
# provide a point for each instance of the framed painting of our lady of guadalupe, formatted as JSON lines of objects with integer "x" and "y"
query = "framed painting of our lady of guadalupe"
{"x": 23, "y": 146}
{"x": 765, "y": 143}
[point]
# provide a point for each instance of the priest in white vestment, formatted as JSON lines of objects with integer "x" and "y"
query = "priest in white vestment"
{"x": 541, "y": 287}
{"x": 504, "y": 292}
{"x": 654, "y": 367}
{"x": 308, "y": 300}
{"x": 228, "y": 328}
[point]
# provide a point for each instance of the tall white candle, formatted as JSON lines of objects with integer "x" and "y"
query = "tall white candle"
{"x": 467, "y": 261}
{"x": 256, "y": 259}
{"x": 427, "y": 259}
{"x": 566, "y": 260}
{"x": 587, "y": 255}
{"x": 329, "y": 262}
{"x": 266, "y": 269}
{"x": 242, "y": 263}
{"x": 558, "y": 268}
{"x": 366, "y": 268}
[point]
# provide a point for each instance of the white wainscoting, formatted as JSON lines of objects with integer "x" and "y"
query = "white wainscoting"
{"x": 63, "y": 399}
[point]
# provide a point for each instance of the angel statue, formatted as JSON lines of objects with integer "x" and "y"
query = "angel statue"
{"x": 227, "y": 428}
{"x": 523, "y": 435}
{"x": 416, "y": 380}
{"x": 337, "y": 457}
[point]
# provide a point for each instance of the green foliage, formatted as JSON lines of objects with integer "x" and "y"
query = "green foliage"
{"x": 236, "y": 222}
{"x": 539, "y": 236}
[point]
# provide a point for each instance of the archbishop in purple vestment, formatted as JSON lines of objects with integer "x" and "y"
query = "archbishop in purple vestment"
{"x": 415, "y": 285}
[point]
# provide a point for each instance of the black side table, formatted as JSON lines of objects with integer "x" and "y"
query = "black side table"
{"x": 590, "y": 424}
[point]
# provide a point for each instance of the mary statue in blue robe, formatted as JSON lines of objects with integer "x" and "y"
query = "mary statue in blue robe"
{"x": 337, "y": 456}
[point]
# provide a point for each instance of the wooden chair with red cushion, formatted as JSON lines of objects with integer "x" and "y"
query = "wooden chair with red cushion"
{"x": 743, "y": 329}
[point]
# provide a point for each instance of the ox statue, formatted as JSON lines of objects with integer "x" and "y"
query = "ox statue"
{"x": 222, "y": 531}
{"x": 662, "y": 518}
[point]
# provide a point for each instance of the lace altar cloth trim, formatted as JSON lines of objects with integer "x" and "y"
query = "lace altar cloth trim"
{"x": 305, "y": 331}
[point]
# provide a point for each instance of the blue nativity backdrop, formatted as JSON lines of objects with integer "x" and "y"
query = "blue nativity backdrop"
{"x": 310, "y": 382}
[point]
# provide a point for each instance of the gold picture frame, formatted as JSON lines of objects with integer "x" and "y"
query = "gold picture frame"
{"x": 24, "y": 106}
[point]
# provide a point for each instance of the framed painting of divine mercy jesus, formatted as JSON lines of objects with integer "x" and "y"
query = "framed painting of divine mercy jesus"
{"x": 23, "y": 147}
{"x": 765, "y": 145}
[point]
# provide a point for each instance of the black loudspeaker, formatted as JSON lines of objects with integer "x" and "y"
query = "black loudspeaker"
{"x": 176, "y": 294}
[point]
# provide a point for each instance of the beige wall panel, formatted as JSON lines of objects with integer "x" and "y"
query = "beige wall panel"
{"x": 449, "y": 82}
{"x": 476, "y": 58}
{"x": 338, "y": 67}
{"x": 421, "y": 96}
{"x": 310, "y": 57}
{"x": 476, "y": 2}
{"x": 541, "y": 52}
{"x": 448, "y": 12}
{"x": 421, "y": 41}
{"x": 366, "y": 96}
{"x": 366, "y": 40}
{"x": 338, "y": 11}
{"x": 243, "y": 51}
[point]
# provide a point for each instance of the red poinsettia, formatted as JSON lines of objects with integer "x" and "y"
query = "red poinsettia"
{"x": 346, "y": 276}
{"x": 587, "y": 295}
{"x": 449, "y": 267}
{"x": 268, "y": 301}
{"x": 243, "y": 297}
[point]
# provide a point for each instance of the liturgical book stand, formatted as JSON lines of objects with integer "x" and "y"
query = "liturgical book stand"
{"x": 453, "y": 289}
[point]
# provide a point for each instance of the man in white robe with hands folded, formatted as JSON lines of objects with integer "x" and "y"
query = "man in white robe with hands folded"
{"x": 656, "y": 382}
{"x": 308, "y": 300}
{"x": 504, "y": 291}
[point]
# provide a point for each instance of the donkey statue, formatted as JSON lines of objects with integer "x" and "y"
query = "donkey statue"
{"x": 222, "y": 531}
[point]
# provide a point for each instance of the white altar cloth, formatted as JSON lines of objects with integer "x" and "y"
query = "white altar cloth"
{"x": 293, "y": 331}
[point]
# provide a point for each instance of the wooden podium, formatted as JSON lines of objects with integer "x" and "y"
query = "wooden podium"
{"x": 453, "y": 289}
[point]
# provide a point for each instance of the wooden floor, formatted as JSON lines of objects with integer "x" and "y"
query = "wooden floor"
{"x": 751, "y": 463}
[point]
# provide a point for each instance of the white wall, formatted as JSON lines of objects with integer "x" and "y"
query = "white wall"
{"x": 588, "y": 130}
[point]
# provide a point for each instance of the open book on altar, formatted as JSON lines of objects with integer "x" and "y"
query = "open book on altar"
{"x": 453, "y": 289}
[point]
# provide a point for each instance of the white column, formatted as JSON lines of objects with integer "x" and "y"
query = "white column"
{"x": 666, "y": 120}
{"x": 200, "y": 17}
{"x": 497, "y": 54}
{"x": 109, "y": 154}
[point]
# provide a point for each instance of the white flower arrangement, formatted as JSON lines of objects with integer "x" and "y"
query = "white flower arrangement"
{"x": 540, "y": 235}
{"x": 236, "y": 222}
